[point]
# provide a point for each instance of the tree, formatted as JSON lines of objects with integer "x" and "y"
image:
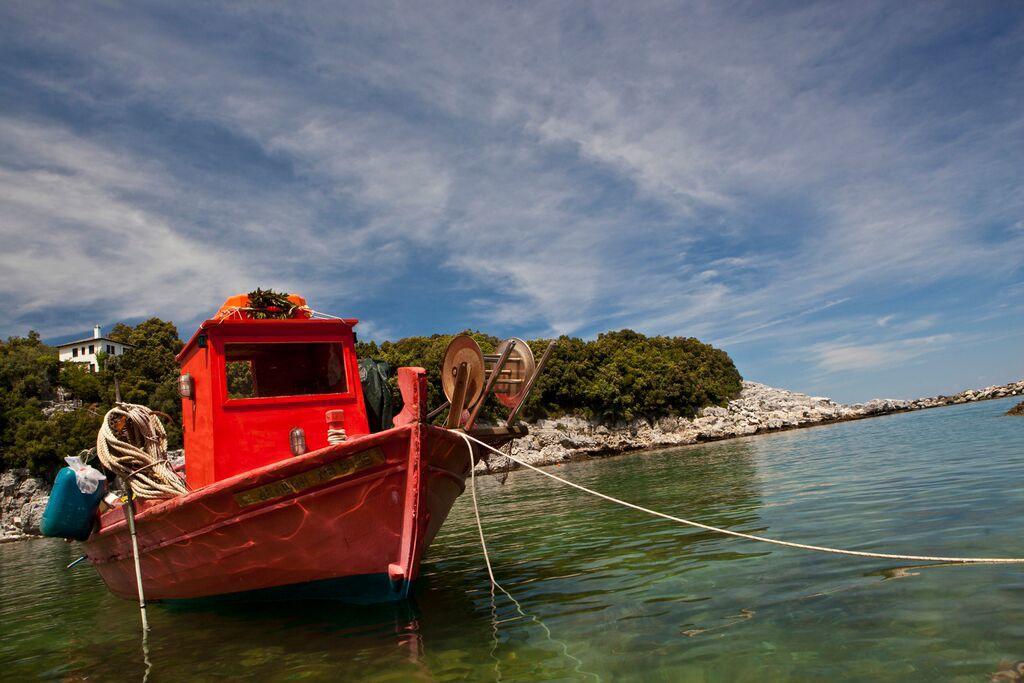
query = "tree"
{"x": 30, "y": 372}
{"x": 148, "y": 373}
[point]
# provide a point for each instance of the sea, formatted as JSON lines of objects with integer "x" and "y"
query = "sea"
{"x": 594, "y": 591}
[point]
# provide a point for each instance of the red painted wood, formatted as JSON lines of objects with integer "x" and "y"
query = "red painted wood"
{"x": 412, "y": 383}
{"x": 206, "y": 544}
{"x": 225, "y": 436}
{"x": 220, "y": 539}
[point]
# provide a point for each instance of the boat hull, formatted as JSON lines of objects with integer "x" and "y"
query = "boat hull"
{"x": 348, "y": 522}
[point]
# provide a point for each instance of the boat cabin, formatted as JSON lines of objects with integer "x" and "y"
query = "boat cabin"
{"x": 257, "y": 391}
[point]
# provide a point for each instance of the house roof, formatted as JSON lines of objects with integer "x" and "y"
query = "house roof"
{"x": 93, "y": 340}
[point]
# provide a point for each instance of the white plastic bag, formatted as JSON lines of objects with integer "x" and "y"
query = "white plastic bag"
{"x": 87, "y": 477}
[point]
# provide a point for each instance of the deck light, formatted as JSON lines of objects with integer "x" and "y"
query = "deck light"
{"x": 186, "y": 387}
{"x": 297, "y": 438}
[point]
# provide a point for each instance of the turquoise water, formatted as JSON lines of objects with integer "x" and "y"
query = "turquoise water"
{"x": 610, "y": 594}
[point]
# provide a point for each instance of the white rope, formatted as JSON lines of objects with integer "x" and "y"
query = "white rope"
{"x": 752, "y": 537}
{"x": 476, "y": 511}
{"x": 132, "y": 444}
{"x": 494, "y": 582}
{"x": 320, "y": 313}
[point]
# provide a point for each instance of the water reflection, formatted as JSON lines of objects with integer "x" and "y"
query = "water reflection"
{"x": 329, "y": 636}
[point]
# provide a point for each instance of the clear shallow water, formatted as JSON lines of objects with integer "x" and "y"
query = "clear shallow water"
{"x": 612, "y": 594}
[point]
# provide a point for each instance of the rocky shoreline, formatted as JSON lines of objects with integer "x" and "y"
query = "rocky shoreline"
{"x": 758, "y": 409}
{"x": 22, "y": 502}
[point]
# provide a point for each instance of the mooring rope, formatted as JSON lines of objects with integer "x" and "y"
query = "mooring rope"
{"x": 749, "y": 537}
{"x": 132, "y": 444}
{"x": 476, "y": 512}
{"x": 494, "y": 582}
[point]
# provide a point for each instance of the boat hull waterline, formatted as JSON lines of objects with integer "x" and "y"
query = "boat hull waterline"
{"x": 348, "y": 522}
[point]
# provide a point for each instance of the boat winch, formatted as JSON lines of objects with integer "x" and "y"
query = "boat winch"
{"x": 468, "y": 376}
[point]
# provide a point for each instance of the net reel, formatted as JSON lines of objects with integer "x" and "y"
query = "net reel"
{"x": 519, "y": 367}
{"x": 463, "y": 350}
{"x": 468, "y": 376}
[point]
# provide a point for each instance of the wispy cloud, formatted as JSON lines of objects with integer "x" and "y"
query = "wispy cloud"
{"x": 728, "y": 171}
{"x": 76, "y": 235}
{"x": 842, "y": 357}
{"x": 749, "y": 333}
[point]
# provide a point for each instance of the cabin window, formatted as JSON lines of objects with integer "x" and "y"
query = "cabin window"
{"x": 288, "y": 369}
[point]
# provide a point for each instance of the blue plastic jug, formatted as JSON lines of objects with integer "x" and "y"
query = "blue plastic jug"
{"x": 69, "y": 512}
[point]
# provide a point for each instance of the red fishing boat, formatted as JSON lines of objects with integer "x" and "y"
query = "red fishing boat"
{"x": 290, "y": 492}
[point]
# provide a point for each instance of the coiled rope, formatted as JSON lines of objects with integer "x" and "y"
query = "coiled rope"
{"x": 750, "y": 537}
{"x": 132, "y": 444}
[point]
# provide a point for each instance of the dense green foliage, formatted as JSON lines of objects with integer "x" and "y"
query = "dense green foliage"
{"x": 625, "y": 375}
{"x": 619, "y": 376}
{"x": 30, "y": 374}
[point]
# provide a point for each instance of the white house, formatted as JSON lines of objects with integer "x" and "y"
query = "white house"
{"x": 86, "y": 350}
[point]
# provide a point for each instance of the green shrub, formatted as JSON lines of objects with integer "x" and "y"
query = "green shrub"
{"x": 29, "y": 373}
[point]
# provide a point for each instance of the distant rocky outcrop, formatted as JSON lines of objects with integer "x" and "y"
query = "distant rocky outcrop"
{"x": 758, "y": 409}
{"x": 1017, "y": 409}
{"x": 63, "y": 403}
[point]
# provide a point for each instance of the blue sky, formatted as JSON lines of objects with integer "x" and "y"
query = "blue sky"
{"x": 832, "y": 192}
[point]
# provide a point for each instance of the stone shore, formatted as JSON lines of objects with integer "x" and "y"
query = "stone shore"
{"x": 22, "y": 502}
{"x": 758, "y": 409}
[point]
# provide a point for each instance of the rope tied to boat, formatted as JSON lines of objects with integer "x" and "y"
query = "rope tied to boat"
{"x": 738, "y": 534}
{"x": 494, "y": 582}
{"x": 132, "y": 443}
